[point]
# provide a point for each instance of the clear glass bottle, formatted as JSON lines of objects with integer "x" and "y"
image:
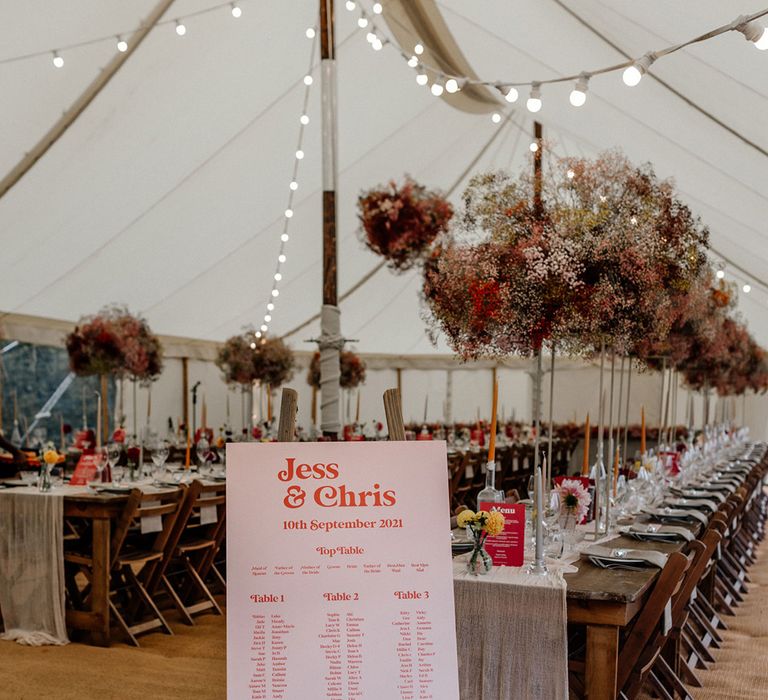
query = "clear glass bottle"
{"x": 490, "y": 494}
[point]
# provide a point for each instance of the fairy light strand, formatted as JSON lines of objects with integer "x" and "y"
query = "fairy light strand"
{"x": 293, "y": 186}
{"x": 122, "y": 38}
{"x": 633, "y": 69}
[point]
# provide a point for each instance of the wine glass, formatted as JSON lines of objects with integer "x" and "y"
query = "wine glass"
{"x": 118, "y": 473}
{"x": 203, "y": 449}
{"x": 531, "y": 486}
{"x": 160, "y": 451}
{"x": 114, "y": 450}
{"x": 99, "y": 462}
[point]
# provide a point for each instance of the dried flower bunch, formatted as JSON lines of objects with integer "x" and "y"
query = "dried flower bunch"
{"x": 114, "y": 341}
{"x": 352, "y": 370}
{"x": 600, "y": 263}
{"x": 401, "y": 223}
{"x": 243, "y": 360}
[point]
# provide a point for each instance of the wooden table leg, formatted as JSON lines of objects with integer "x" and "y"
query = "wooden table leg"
{"x": 100, "y": 583}
{"x": 602, "y": 659}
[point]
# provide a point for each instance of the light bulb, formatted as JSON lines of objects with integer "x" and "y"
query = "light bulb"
{"x": 377, "y": 8}
{"x": 258, "y": 335}
{"x": 418, "y": 49}
{"x": 294, "y": 185}
{"x": 270, "y": 306}
{"x": 275, "y": 293}
{"x": 310, "y": 32}
{"x": 421, "y": 78}
{"x": 362, "y": 22}
{"x": 413, "y": 62}
{"x": 237, "y": 12}
{"x": 299, "y": 154}
{"x": 756, "y": 33}
{"x": 288, "y": 213}
{"x": 570, "y": 174}
{"x": 437, "y": 88}
{"x": 308, "y": 80}
{"x": 512, "y": 95}
{"x": 634, "y": 73}
{"x": 304, "y": 119}
{"x": 452, "y": 85}
{"x": 350, "y": 5}
{"x": 122, "y": 45}
{"x": 377, "y": 44}
{"x": 534, "y": 101}
{"x": 579, "y": 93}
{"x": 253, "y": 345}
{"x": 267, "y": 318}
{"x": 284, "y": 238}
{"x": 281, "y": 258}
{"x": 181, "y": 29}
{"x": 533, "y": 147}
{"x": 495, "y": 117}
{"x": 264, "y": 327}
{"x": 370, "y": 37}
{"x": 278, "y": 277}
{"x": 720, "y": 274}
{"x": 747, "y": 289}
{"x": 58, "y": 61}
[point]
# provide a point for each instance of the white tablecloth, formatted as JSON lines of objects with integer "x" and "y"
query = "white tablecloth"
{"x": 32, "y": 566}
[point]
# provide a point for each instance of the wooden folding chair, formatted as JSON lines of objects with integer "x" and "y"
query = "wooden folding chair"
{"x": 136, "y": 551}
{"x": 190, "y": 551}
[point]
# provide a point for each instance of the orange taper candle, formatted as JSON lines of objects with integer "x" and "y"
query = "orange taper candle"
{"x": 492, "y": 443}
{"x": 642, "y": 430}
{"x": 585, "y": 462}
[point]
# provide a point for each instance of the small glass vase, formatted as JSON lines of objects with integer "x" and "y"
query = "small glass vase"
{"x": 568, "y": 522}
{"x": 480, "y": 562}
{"x": 44, "y": 481}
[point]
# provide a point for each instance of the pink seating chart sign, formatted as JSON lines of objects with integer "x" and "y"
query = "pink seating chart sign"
{"x": 339, "y": 575}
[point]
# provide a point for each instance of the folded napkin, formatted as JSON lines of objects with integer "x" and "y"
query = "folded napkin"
{"x": 698, "y": 493}
{"x": 688, "y": 502}
{"x": 677, "y": 514}
{"x": 662, "y": 533}
{"x": 621, "y": 558}
{"x": 716, "y": 486}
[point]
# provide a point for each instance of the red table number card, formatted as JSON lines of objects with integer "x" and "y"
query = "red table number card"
{"x": 84, "y": 471}
{"x": 508, "y": 547}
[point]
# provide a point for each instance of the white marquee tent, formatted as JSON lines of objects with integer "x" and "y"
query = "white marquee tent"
{"x": 168, "y": 192}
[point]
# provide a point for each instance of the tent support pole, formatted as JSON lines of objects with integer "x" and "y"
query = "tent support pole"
{"x": 331, "y": 339}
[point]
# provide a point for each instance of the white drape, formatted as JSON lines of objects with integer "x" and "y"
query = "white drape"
{"x": 32, "y": 567}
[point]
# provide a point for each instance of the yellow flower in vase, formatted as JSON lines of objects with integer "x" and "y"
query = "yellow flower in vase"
{"x": 466, "y": 517}
{"x": 494, "y": 524}
{"x": 50, "y": 457}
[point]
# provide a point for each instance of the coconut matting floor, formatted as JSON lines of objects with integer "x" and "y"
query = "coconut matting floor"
{"x": 192, "y": 663}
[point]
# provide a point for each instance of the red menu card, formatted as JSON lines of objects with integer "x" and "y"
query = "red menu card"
{"x": 85, "y": 470}
{"x": 508, "y": 547}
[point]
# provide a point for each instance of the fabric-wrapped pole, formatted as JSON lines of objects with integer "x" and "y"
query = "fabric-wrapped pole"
{"x": 330, "y": 369}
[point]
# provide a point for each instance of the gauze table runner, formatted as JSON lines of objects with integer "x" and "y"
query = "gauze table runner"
{"x": 32, "y": 566}
{"x": 511, "y": 634}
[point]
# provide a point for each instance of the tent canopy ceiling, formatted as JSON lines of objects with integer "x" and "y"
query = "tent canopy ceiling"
{"x": 168, "y": 192}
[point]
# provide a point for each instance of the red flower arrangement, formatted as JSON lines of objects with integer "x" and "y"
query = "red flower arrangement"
{"x": 401, "y": 223}
{"x": 243, "y": 360}
{"x": 352, "y": 370}
{"x": 114, "y": 342}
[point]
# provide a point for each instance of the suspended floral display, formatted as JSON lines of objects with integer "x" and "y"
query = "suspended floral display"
{"x": 236, "y": 360}
{"x": 401, "y": 223}
{"x": 352, "y": 370}
{"x": 598, "y": 263}
{"x": 273, "y": 362}
{"x": 114, "y": 341}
